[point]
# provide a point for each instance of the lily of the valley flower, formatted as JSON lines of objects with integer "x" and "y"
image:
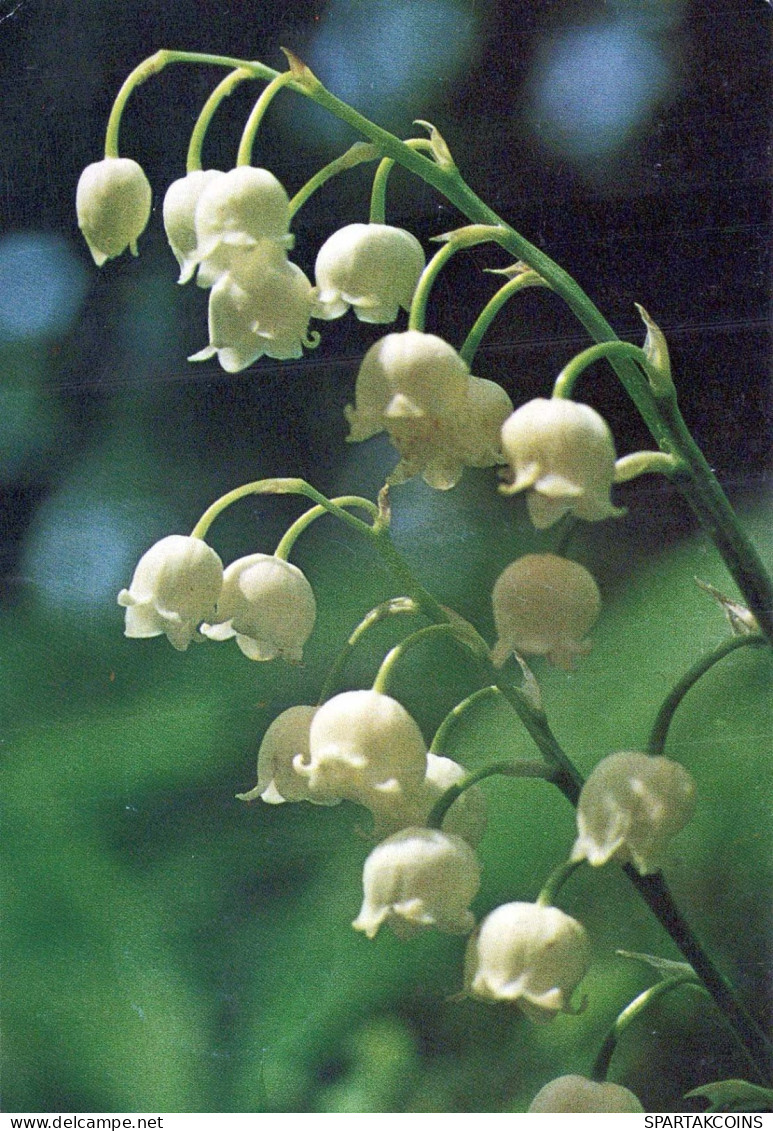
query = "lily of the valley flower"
{"x": 113, "y": 206}
{"x": 363, "y": 744}
{"x": 544, "y": 605}
{"x": 562, "y": 453}
{"x": 262, "y": 307}
{"x": 268, "y": 605}
{"x": 440, "y": 418}
{"x": 630, "y": 808}
{"x": 373, "y": 268}
{"x": 530, "y": 955}
{"x": 578, "y": 1093}
{"x": 287, "y": 736}
{"x": 175, "y": 587}
{"x": 180, "y": 203}
{"x": 419, "y": 878}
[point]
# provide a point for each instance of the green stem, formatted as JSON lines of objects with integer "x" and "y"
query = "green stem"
{"x": 491, "y": 309}
{"x": 221, "y": 91}
{"x": 569, "y": 375}
{"x": 355, "y": 155}
{"x": 518, "y": 769}
{"x": 643, "y": 463}
{"x": 244, "y": 156}
{"x": 630, "y": 1013}
{"x": 293, "y": 532}
{"x": 396, "y": 606}
{"x": 396, "y": 654}
{"x": 555, "y": 881}
{"x": 439, "y": 743}
{"x": 381, "y": 179}
{"x": 657, "y": 739}
{"x": 457, "y": 241}
{"x": 154, "y": 65}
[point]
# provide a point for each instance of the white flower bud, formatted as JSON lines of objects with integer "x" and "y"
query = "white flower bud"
{"x": 362, "y": 744}
{"x": 268, "y": 605}
{"x": 113, "y": 206}
{"x": 544, "y": 606}
{"x": 578, "y": 1094}
{"x": 419, "y": 878}
{"x": 262, "y": 307}
{"x": 278, "y": 781}
{"x": 180, "y": 203}
{"x": 174, "y": 588}
{"x": 373, "y": 268}
{"x": 530, "y": 955}
{"x": 563, "y": 454}
{"x": 630, "y": 808}
{"x": 466, "y": 817}
{"x": 234, "y": 213}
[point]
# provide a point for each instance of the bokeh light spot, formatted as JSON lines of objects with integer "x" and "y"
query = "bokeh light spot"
{"x": 42, "y": 285}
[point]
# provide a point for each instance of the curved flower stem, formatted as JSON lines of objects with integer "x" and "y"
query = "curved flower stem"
{"x": 643, "y": 463}
{"x": 153, "y": 65}
{"x": 381, "y": 178}
{"x": 456, "y": 241}
{"x": 631, "y": 1012}
{"x": 657, "y": 739}
{"x": 277, "y": 487}
{"x": 244, "y": 155}
{"x": 555, "y": 881}
{"x": 221, "y": 91}
{"x": 451, "y": 721}
{"x": 481, "y": 324}
{"x": 356, "y": 154}
{"x": 567, "y": 378}
{"x": 396, "y": 654}
{"x": 293, "y": 532}
{"x": 396, "y": 606}
{"x": 511, "y": 769}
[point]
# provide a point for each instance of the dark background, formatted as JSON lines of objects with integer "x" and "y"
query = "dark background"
{"x": 163, "y": 942}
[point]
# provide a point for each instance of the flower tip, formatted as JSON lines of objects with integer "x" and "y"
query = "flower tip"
{"x": 299, "y": 70}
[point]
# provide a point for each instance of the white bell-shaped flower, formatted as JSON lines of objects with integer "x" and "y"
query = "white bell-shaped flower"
{"x": 544, "y": 605}
{"x": 113, "y": 206}
{"x": 363, "y": 744}
{"x": 180, "y": 202}
{"x": 175, "y": 587}
{"x": 373, "y": 268}
{"x": 262, "y": 308}
{"x": 563, "y": 454}
{"x": 278, "y": 781}
{"x": 480, "y": 427}
{"x": 579, "y": 1094}
{"x": 530, "y": 955}
{"x": 466, "y": 817}
{"x": 236, "y": 212}
{"x": 419, "y": 878}
{"x": 630, "y": 808}
{"x": 268, "y": 605}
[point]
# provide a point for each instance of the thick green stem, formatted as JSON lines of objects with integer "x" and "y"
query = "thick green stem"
{"x": 657, "y": 739}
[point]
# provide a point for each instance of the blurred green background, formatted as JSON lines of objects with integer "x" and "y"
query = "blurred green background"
{"x": 165, "y": 947}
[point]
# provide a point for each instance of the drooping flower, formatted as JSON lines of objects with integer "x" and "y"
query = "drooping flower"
{"x": 563, "y": 454}
{"x": 417, "y": 388}
{"x": 278, "y": 781}
{"x": 579, "y": 1094}
{"x": 363, "y": 744}
{"x": 466, "y": 817}
{"x": 544, "y": 605}
{"x": 175, "y": 587}
{"x": 180, "y": 203}
{"x": 530, "y": 955}
{"x": 236, "y": 212}
{"x": 630, "y": 808}
{"x": 261, "y": 307}
{"x": 419, "y": 878}
{"x": 373, "y": 268}
{"x": 113, "y": 206}
{"x": 268, "y": 605}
